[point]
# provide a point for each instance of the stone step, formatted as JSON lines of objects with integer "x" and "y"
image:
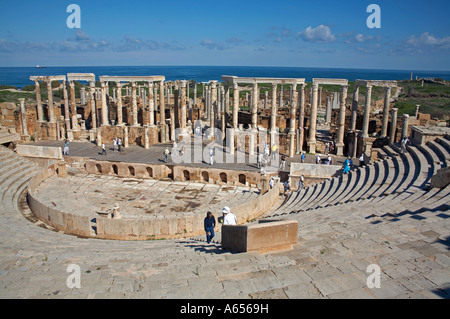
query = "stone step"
{"x": 440, "y": 150}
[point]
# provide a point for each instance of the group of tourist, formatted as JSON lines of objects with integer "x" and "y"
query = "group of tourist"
{"x": 228, "y": 218}
{"x": 319, "y": 160}
{"x": 117, "y": 146}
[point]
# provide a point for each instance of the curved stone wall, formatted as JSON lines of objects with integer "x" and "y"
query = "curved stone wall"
{"x": 149, "y": 227}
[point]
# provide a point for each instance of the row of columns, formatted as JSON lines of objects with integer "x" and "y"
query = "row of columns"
{"x": 71, "y": 113}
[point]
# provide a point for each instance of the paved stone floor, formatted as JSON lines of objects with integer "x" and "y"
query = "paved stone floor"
{"x": 335, "y": 248}
{"x": 87, "y": 194}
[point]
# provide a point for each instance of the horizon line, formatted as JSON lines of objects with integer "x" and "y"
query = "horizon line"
{"x": 230, "y": 66}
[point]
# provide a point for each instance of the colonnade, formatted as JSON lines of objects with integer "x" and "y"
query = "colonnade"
{"x": 216, "y": 99}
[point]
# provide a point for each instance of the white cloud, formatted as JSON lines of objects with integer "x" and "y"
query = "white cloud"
{"x": 209, "y": 44}
{"x": 428, "y": 40}
{"x": 320, "y": 34}
{"x": 423, "y": 43}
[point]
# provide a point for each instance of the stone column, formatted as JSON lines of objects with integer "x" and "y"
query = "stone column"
{"x": 213, "y": 107}
{"x": 40, "y": 110}
{"x": 146, "y": 139}
{"x": 235, "y": 105}
{"x": 394, "y": 112}
{"x": 105, "y": 121}
{"x": 125, "y": 136}
{"x": 254, "y": 110}
{"x": 83, "y": 96}
{"x": 292, "y": 120}
{"x": 183, "y": 117}
{"x": 405, "y": 119}
{"x": 172, "y": 121}
{"x": 313, "y": 124}
{"x": 134, "y": 104}
{"x": 387, "y": 99}
{"x": 341, "y": 123}
{"x": 301, "y": 118}
{"x": 73, "y": 107}
{"x": 51, "y": 113}
{"x": 354, "y": 109}
{"x": 162, "y": 112}
{"x": 266, "y": 98}
{"x": 195, "y": 94}
{"x": 281, "y": 96}
{"x": 66, "y": 107}
{"x": 329, "y": 109}
{"x": 227, "y": 98}
{"x": 416, "y": 114}
{"x": 365, "y": 126}
{"x": 93, "y": 106}
{"x": 119, "y": 106}
{"x": 320, "y": 97}
{"x": 155, "y": 97}
{"x": 273, "y": 115}
{"x": 151, "y": 105}
{"x": 23, "y": 117}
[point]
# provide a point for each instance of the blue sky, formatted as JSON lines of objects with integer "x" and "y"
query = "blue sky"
{"x": 413, "y": 34}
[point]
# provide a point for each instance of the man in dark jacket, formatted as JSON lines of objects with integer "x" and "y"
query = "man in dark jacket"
{"x": 209, "y": 224}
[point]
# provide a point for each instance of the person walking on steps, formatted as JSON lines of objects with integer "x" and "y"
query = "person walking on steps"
{"x": 103, "y": 149}
{"x": 209, "y": 224}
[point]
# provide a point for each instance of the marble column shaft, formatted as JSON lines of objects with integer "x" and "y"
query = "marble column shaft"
{"x": 151, "y": 105}
{"x": 23, "y": 116}
{"x": 301, "y": 118}
{"x": 366, "y": 116}
{"x": 213, "y": 105}
{"x": 384, "y": 125}
{"x": 392, "y": 132}
{"x": 66, "y": 107}
{"x": 273, "y": 116}
{"x": 93, "y": 105}
{"x": 354, "y": 114}
{"x": 341, "y": 123}
{"x": 292, "y": 120}
{"x": 119, "y": 106}
{"x": 134, "y": 104}
{"x": 405, "y": 120}
{"x": 51, "y": 112}
{"x": 40, "y": 110}
{"x": 313, "y": 120}
{"x": 183, "y": 118}
{"x": 104, "y": 105}
{"x": 235, "y": 105}
{"x": 254, "y": 110}
{"x": 73, "y": 106}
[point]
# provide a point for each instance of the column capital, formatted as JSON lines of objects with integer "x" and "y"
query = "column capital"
{"x": 235, "y": 86}
{"x": 183, "y": 83}
{"x": 119, "y": 84}
{"x": 315, "y": 86}
{"x": 344, "y": 88}
{"x": 133, "y": 84}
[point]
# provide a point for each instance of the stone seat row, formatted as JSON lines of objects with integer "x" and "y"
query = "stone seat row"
{"x": 396, "y": 174}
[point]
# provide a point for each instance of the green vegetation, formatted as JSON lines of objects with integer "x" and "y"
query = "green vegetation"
{"x": 433, "y": 98}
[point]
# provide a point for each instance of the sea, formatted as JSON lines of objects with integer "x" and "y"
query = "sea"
{"x": 20, "y": 76}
